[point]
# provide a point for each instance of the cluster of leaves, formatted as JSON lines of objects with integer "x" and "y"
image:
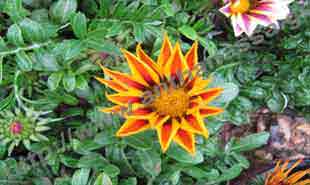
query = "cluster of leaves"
{"x": 48, "y": 55}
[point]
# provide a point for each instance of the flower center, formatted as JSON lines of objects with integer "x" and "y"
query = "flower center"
{"x": 240, "y": 6}
{"x": 16, "y": 127}
{"x": 173, "y": 102}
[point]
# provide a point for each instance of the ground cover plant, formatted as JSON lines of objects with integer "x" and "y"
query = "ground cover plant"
{"x": 154, "y": 92}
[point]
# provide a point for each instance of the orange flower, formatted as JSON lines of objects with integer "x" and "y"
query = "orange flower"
{"x": 280, "y": 175}
{"x": 169, "y": 95}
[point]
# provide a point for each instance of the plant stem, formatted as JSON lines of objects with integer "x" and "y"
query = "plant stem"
{"x": 31, "y": 47}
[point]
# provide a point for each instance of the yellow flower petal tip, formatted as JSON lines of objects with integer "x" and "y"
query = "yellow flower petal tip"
{"x": 158, "y": 97}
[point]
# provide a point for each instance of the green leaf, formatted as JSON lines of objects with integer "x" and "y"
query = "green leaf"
{"x": 47, "y": 60}
{"x": 230, "y": 173}
{"x": 24, "y": 61}
{"x": 196, "y": 172}
{"x": 141, "y": 141}
{"x": 14, "y": 35}
{"x": 72, "y": 49}
{"x": 80, "y": 177}
{"x": 54, "y": 80}
{"x": 81, "y": 82}
{"x": 104, "y": 46}
{"x": 61, "y": 10}
{"x": 32, "y": 31}
{"x": 14, "y": 8}
{"x": 69, "y": 81}
{"x": 278, "y": 102}
{"x": 103, "y": 179}
{"x": 92, "y": 160}
{"x": 129, "y": 181}
{"x": 111, "y": 170}
{"x": 139, "y": 32}
{"x": 250, "y": 142}
{"x": 6, "y": 101}
{"x": 79, "y": 25}
{"x": 177, "y": 153}
{"x": 189, "y": 32}
{"x": 150, "y": 162}
{"x": 230, "y": 92}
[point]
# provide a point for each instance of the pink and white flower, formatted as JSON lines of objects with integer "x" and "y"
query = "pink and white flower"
{"x": 245, "y": 15}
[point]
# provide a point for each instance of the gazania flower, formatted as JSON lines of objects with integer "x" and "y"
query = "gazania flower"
{"x": 169, "y": 95}
{"x": 281, "y": 175}
{"x": 247, "y": 14}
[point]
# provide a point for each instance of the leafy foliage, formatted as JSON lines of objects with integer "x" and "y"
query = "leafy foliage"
{"x": 49, "y": 52}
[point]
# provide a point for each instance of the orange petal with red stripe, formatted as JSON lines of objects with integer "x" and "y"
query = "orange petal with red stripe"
{"x": 186, "y": 140}
{"x": 165, "y": 52}
{"x": 194, "y": 123}
{"x": 176, "y": 64}
{"x": 192, "y": 56}
{"x": 209, "y": 94}
{"x": 146, "y": 59}
{"x": 133, "y": 126}
{"x": 124, "y": 98}
{"x": 158, "y": 120}
{"x": 139, "y": 113}
{"x": 124, "y": 80}
{"x": 166, "y": 132}
{"x": 141, "y": 70}
{"x": 197, "y": 84}
{"x": 112, "y": 84}
{"x": 206, "y": 111}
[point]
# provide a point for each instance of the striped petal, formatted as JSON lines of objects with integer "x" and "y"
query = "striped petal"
{"x": 176, "y": 63}
{"x": 261, "y": 19}
{"x": 246, "y": 23}
{"x": 141, "y": 70}
{"x": 165, "y": 52}
{"x": 140, "y": 113}
{"x": 194, "y": 123}
{"x": 166, "y": 133}
{"x": 147, "y": 60}
{"x": 192, "y": 56}
{"x": 159, "y": 120}
{"x": 124, "y": 98}
{"x": 237, "y": 29}
{"x": 124, "y": 80}
{"x": 209, "y": 111}
{"x": 209, "y": 94}
{"x": 186, "y": 140}
{"x": 133, "y": 126}
{"x": 112, "y": 84}
{"x": 226, "y": 10}
{"x": 197, "y": 84}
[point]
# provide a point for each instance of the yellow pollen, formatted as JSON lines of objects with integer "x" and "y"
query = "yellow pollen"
{"x": 173, "y": 102}
{"x": 240, "y": 6}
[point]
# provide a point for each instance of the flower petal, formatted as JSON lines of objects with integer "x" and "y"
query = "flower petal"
{"x": 165, "y": 52}
{"x": 186, "y": 140}
{"x": 140, "y": 113}
{"x": 247, "y": 24}
{"x": 133, "y": 126}
{"x": 209, "y": 95}
{"x": 194, "y": 123}
{"x": 124, "y": 98}
{"x": 176, "y": 64}
{"x": 192, "y": 56}
{"x": 237, "y": 29}
{"x": 226, "y": 10}
{"x": 123, "y": 79}
{"x": 112, "y": 84}
{"x": 261, "y": 19}
{"x": 166, "y": 132}
{"x": 146, "y": 59}
{"x": 141, "y": 70}
{"x": 209, "y": 111}
{"x": 158, "y": 120}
